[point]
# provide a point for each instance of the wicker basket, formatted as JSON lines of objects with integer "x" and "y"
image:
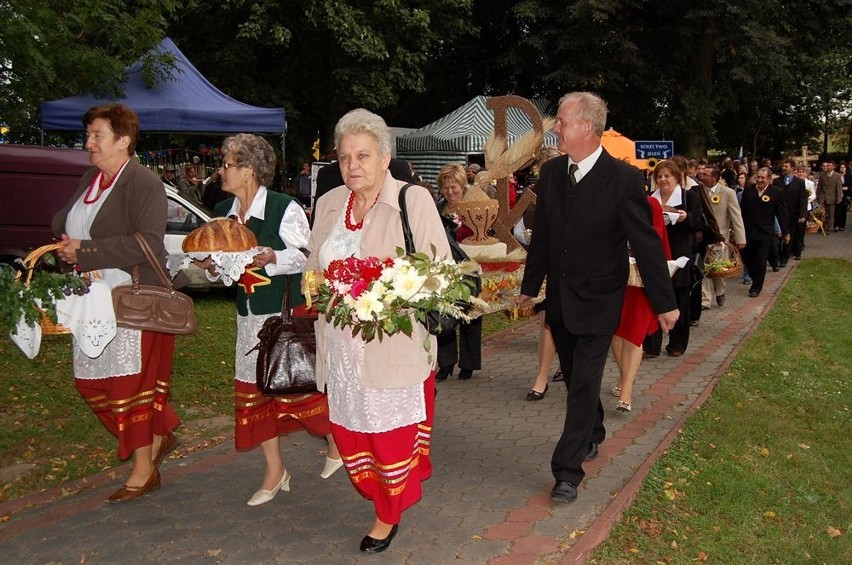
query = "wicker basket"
{"x": 723, "y": 251}
{"x": 811, "y": 228}
{"x": 48, "y": 327}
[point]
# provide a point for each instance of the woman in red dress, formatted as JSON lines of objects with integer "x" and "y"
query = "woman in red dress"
{"x": 637, "y": 321}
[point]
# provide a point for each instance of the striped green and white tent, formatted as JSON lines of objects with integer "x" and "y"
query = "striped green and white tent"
{"x": 459, "y": 134}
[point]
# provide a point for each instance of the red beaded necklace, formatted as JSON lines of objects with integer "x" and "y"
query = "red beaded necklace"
{"x": 98, "y": 180}
{"x": 349, "y": 224}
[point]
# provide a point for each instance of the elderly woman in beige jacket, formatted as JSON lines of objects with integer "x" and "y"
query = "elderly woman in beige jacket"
{"x": 380, "y": 393}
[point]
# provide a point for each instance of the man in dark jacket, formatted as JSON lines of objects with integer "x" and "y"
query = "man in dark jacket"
{"x": 762, "y": 203}
{"x": 796, "y": 200}
{"x": 589, "y": 205}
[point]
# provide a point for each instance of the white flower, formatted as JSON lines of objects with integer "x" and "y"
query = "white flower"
{"x": 368, "y": 305}
{"x": 341, "y": 288}
{"x": 407, "y": 283}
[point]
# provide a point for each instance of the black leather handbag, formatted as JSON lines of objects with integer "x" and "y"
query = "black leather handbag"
{"x": 437, "y": 323}
{"x": 287, "y": 353}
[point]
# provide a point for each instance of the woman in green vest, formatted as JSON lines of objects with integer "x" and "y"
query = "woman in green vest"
{"x": 281, "y": 227}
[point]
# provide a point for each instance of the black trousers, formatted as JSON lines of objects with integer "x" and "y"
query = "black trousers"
{"x": 840, "y": 212}
{"x": 466, "y": 351}
{"x": 774, "y": 257}
{"x": 755, "y": 256}
{"x": 796, "y": 244}
{"x": 582, "y": 358}
{"x": 679, "y": 334}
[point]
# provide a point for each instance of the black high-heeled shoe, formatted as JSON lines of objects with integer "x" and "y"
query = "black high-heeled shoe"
{"x": 373, "y": 545}
{"x": 443, "y": 373}
{"x": 534, "y": 395}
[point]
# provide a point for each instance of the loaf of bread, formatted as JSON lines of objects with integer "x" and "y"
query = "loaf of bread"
{"x": 220, "y": 234}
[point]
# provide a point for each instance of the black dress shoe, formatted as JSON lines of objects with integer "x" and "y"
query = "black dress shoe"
{"x": 373, "y": 545}
{"x": 535, "y": 395}
{"x": 563, "y": 491}
{"x": 593, "y": 451}
{"x": 753, "y": 294}
{"x": 774, "y": 269}
{"x": 782, "y": 265}
{"x": 797, "y": 257}
{"x": 720, "y": 300}
{"x": 465, "y": 374}
{"x": 443, "y": 373}
{"x": 558, "y": 376}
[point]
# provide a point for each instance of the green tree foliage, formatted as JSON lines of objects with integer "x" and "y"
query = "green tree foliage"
{"x": 708, "y": 73}
{"x": 318, "y": 58}
{"x": 50, "y": 50}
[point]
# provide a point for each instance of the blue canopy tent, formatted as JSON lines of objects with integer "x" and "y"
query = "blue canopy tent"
{"x": 187, "y": 102}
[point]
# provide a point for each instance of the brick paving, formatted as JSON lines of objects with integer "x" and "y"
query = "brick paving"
{"x": 487, "y": 501}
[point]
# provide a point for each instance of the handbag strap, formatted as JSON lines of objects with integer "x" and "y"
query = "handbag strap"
{"x": 406, "y": 228}
{"x": 285, "y": 305}
{"x": 152, "y": 259}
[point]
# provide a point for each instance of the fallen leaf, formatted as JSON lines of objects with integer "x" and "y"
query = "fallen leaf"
{"x": 763, "y": 452}
{"x": 712, "y": 445}
{"x": 213, "y": 552}
{"x": 576, "y": 534}
{"x": 833, "y": 532}
{"x": 702, "y": 556}
{"x": 804, "y": 446}
{"x": 634, "y": 550}
{"x": 769, "y": 514}
{"x": 674, "y": 544}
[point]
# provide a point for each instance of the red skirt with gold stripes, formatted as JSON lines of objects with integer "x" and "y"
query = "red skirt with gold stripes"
{"x": 259, "y": 418}
{"x": 134, "y": 407}
{"x": 388, "y": 467}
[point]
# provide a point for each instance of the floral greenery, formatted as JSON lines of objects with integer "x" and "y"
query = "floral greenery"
{"x": 32, "y": 301}
{"x": 378, "y": 297}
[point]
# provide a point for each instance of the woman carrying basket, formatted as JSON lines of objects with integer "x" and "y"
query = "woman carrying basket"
{"x": 127, "y": 386}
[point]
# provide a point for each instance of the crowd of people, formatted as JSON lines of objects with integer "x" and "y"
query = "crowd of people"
{"x": 595, "y": 219}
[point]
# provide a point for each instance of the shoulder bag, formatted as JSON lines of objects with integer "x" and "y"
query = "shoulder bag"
{"x": 154, "y": 308}
{"x": 435, "y": 322}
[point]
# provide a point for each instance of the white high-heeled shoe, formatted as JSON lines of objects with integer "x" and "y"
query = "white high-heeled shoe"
{"x": 331, "y": 467}
{"x": 264, "y": 496}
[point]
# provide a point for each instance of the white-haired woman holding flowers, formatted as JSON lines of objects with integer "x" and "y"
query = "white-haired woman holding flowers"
{"x": 380, "y": 392}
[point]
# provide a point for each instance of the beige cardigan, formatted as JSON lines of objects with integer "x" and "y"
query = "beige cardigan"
{"x": 399, "y": 360}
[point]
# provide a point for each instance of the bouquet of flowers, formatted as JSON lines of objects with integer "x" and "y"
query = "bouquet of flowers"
{"x": 378, "y": 297}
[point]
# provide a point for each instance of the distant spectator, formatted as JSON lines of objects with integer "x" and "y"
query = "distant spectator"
{"x": 305, "y": 184}
{"x": 169, "y": 174}
{"x": 187, "y": 185}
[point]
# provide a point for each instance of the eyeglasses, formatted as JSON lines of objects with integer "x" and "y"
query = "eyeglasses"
{"x": 226, "y": 166}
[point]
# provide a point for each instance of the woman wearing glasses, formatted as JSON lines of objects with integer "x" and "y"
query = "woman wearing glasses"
{"x": 281, "y": 227}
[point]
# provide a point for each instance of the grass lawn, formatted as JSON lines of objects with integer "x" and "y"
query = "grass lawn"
{"x": 762, "y": 473}
{"x": 50, "y": 435}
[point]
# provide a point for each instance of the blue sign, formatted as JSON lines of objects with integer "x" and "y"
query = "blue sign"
{"x": 654, "y": 149}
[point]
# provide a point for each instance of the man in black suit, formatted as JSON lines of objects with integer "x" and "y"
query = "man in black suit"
{"x": 589, "y": 205}
{"x": 796, "y": 200}
{"x": 761, "y": 204}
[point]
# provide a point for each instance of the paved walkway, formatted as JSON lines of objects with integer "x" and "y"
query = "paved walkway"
{"x": 487, "y": 501}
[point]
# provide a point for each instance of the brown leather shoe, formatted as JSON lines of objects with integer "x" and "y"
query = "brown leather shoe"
{"x": 126, "y": 492}
{"x": 168, "y": 445}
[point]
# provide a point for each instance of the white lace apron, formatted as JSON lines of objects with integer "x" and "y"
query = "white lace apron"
{"x": 351, "y": 404}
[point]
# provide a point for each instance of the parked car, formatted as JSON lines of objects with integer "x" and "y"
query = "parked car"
{"x": 36, "y": 182}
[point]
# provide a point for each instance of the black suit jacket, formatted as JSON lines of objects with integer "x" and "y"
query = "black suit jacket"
{"x": 759, "y": 213}
{"x": 583, "y": 253}
{"x": 795, "y": 198}
{"x": 682, "y": 234}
